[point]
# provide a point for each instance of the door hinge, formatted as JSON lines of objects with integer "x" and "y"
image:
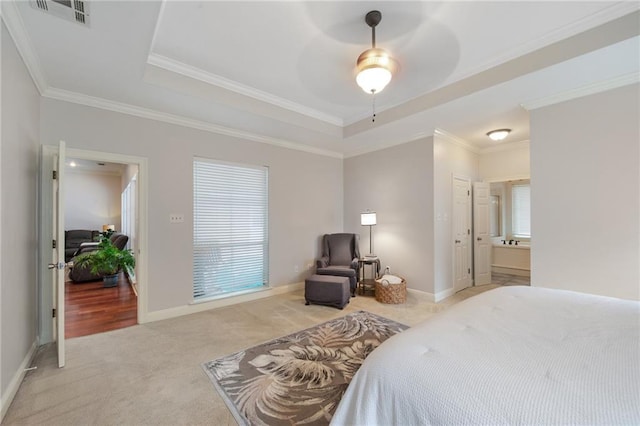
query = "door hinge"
{"x": 468, "y": 193}
{"x": 469, "y": 271}
{"x": 55, "y": 174}
{"x": 53, "y": 312}
{"x": 54, "y": 244}
{"x": 468, "y": 231}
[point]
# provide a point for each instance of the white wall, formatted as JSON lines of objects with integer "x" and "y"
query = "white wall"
{"x": 92, "y": 200}
{"x": 305, "y": 191}
{"x": 18, "y": 221}
{"x": 585, "y": 183}
{"x": 506, "y": 162}
{"x": 449, "y": 159}
{"x": 396, "y": 183}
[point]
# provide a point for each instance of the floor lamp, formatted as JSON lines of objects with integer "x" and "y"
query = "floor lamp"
{"x": 369, "y": 219}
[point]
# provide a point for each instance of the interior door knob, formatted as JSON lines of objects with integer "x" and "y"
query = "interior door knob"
{"x": 457, "y": 241}
{"x": 51, "y": 266}
{"x": 479, "y": 238}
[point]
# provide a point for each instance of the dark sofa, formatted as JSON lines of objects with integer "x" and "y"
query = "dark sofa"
{"x": 79, "y": 275}
{"x": 74, "y": 237}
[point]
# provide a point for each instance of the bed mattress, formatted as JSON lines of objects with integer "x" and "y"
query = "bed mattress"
{"x": 513, "y": 355}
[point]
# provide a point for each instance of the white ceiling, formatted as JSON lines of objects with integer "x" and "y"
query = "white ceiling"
{"x": 75, "y": 165}
{"x": 284, "y": 71}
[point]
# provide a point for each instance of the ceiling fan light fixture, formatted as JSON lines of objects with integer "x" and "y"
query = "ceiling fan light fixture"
{"x": 375, "y": 69}
{"x": 375, "y": 66}
{"x": 498, "y": 134}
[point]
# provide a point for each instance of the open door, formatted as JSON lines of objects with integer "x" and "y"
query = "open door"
{"x": 481, "y": 240}
{"x": 461, "y": 219}
{"x": 58, "y": 259}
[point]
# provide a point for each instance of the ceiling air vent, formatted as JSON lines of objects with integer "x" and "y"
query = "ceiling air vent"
{"x": 69, "y": 10}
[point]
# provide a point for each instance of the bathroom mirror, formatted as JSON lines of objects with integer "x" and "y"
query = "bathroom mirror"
{"x": 509, "y": 210}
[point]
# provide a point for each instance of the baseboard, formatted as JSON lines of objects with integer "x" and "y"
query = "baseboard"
{"x": 511, "y": 270}
{"x": 219, "y": 303}
{"x": 430, "y": 297}
{"x": 441, "y": 295}
{"x": 422, "y": 295}
{"x": 16, "y": 381}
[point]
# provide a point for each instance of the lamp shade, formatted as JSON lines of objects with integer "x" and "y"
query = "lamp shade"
{"x": 106, "y": 228}
{"x": 368, "y": 218}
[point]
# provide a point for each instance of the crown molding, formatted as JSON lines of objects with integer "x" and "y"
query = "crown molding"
{"x": 589, "y": 89}
{"x": 15, "y": 25}
{"x": 152, "y": 45}
{"x": 508, "y": 146}
{"x": 451, "y": 138}
{"x": 614, "y": 11}
{"x": 233, "y": 86}
{"x": 91, "y": 101}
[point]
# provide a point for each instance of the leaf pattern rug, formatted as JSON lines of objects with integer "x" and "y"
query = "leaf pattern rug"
{"x": 299, "y": 378}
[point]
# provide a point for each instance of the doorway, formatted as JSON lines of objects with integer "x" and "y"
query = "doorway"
{"x": 461, "y": 221}
{"x": 99, "y": 199}
{"x": 46, "y": 301}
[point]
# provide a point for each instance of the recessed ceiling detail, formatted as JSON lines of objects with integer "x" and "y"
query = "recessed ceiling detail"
{"x": 284, "y": 71}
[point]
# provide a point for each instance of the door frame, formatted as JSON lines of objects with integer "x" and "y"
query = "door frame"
{"x": 45, "y": 201}
{"x": 468, "y": 180}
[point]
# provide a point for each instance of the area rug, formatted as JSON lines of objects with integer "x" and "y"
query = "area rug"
{"x": 299, "y": 378}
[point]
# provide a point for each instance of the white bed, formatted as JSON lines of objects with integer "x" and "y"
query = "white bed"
{"x": 513, "y": 355}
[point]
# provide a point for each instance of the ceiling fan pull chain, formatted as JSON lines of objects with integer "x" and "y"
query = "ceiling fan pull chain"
{"x": 373, "y": 105}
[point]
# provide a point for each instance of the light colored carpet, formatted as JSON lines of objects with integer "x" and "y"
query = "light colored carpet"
{"x": 151, "y": 373}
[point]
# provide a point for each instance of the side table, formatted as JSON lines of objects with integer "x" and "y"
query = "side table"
{"x": 368, "y": 284}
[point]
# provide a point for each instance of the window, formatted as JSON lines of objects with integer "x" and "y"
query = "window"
{"x": 230, "y": 228}
{"x": 521, "y": 210}
{"x": 128, "y": 212}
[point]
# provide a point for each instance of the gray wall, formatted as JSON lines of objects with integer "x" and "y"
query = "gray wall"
{"x": 585, "y": 184}
{"x": 396, "y": 183}
{"x": 305, "y": 190}
{"x": 18, "y": 180}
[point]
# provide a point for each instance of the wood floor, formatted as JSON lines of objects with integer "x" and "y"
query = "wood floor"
{"x": 90, "y": 308}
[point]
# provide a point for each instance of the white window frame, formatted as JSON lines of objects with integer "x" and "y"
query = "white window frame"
{"x": 517, "y": 210}
{"x": 230, "y": 235}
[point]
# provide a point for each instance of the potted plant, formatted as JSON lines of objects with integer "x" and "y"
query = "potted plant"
{"x": 107, "y": 260}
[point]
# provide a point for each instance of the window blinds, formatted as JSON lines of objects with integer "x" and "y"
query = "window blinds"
{"x": 521, "y": 210}
{"x": 230, "y": 228}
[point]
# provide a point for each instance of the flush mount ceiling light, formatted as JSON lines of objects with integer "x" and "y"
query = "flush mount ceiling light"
{"x": 499, "y": 134}
{"x": 375, "y": 66}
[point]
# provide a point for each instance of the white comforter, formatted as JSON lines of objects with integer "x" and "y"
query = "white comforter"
{"x": 513, "y": 355}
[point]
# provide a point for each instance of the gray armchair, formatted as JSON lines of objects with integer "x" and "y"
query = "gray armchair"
{"x": 340, "y": 253}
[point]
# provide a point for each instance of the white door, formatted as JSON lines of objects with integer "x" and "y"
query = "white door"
{"x": 481, "y": 241}
{"x": 58, "y": 260}
{"x": 461, "y": 234}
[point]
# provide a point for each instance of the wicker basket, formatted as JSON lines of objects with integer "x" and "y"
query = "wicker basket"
{"x": 391, "y": 293}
